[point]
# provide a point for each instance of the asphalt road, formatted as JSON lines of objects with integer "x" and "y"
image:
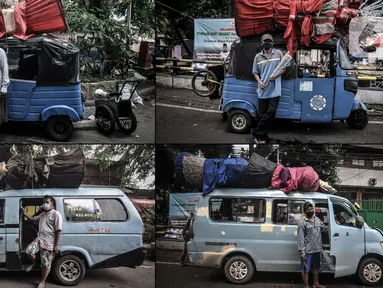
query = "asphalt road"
{"x": 183, "y": 117}
{"x": 173, "y": 276}
{"x": 22, "y": 132}
{"x": 142, "y": 277}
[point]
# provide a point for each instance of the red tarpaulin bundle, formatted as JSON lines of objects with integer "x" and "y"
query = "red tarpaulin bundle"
{"x": 33, "y": 17}
{"x": 313, "y": 20}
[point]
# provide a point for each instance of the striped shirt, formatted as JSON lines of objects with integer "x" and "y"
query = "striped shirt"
{"x": 310, "y": 235}
{"x": 265, "y": 66}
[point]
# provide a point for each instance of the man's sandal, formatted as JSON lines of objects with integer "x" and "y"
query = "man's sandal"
{"x": 29, "y": 268}
{"x": 41, "y": 285}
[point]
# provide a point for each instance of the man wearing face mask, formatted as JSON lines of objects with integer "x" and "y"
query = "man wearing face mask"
{"x": 48, "y": 237}
{"x": 270, "y": 88}
{"x": 310, "y": 231}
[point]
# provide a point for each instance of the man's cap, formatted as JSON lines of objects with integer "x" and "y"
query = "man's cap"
{"x": 267, "y": 37}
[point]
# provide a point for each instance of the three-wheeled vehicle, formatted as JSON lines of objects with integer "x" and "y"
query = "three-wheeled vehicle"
{"x": 311, "y": 92}
{"x": 44, "y": 83}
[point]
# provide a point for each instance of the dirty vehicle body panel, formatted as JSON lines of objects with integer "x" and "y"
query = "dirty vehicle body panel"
{"x": 92, "y": 231}
{"x": 257, "y": 232}
{"x": 304, "y": 98}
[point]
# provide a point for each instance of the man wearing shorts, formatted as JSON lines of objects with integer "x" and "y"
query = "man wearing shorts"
{"x": 48, "y": 237}
{"x": 310, "y": 231}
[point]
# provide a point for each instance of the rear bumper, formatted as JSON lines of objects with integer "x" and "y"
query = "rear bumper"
{"x": 130, "y": 259}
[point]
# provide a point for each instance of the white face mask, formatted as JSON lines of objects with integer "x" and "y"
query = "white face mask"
{"x": 46, "y": 206}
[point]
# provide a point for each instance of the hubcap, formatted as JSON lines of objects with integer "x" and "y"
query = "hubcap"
{"x": 372, "y": 273}
{"x": 238, "y": 270}
{"x": 59, "y": 128}
{"x": 70, "y": 270}
{"x": 239, "y": 122}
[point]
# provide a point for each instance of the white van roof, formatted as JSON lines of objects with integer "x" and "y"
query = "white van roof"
{"x": 267, "y": 193}
{"x": 62, "y": 192}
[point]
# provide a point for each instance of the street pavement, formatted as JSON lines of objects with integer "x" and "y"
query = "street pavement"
{"x": 183, "y": 117}
{"x": 85, "y": 131}
{"x": 141, "y": 277}
{"x": 170, "y": 275}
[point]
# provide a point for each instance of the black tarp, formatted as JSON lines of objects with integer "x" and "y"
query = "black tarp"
{"x": 259, "y": 172}
{"x": 58, "y": 60}
{"x": 64, "y": 170}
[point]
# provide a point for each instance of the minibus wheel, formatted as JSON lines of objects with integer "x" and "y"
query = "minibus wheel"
{"x": 69, "y": 270}
{"x": 239, "y": 269}
{"x": 370, "y": 272}
{"x": 239, "y": 121}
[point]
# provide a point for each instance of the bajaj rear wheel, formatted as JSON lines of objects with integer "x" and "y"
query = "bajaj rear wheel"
{"x": 358, "y": 119}
{"x": 128, "y": 124}
{"x": 69, "y": 270}
{"x": 60, "y": 128}
{"x": 105, "y": 120}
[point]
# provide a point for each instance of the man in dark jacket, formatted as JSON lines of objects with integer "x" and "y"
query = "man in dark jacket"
{"x": 186, "y": 237}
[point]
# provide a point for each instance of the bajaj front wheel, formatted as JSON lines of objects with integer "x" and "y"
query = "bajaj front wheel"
{"x": 239, "y": 269}
{"x": 239, "y": 121}
{"x": 358, "y": 119}
{"x": 60, "y": 128}
{"x": 69, "y": 270}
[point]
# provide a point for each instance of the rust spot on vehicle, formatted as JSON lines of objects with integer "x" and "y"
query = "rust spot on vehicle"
{"x": 99, "y": 230}
{"x": 203, "y": 211}
{"x": 283, "y": 228}
{"x": 267, "y": 227}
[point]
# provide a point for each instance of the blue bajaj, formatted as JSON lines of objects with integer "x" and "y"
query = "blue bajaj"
{"x": 44, "y": 83}
{"x": 318, "y": 87}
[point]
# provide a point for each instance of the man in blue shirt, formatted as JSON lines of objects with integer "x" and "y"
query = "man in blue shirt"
{"x": 269, "y": 88}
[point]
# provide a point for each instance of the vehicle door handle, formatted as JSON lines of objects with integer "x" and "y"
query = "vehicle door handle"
{"x": 336, "y": 235}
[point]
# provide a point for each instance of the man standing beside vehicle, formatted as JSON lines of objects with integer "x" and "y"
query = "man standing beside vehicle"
{"x": 186, "y": 237}
{"x": 48, "y": 237}
{"x": 3, "y": 86}
{"x": 270, "y": 88}
{"x": 310, "y": 231}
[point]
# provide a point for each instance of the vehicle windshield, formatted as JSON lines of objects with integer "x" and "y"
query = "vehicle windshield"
{"x": 344, "y": 62}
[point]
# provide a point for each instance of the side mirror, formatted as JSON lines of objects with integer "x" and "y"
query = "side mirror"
{"x": 359, "y": 222}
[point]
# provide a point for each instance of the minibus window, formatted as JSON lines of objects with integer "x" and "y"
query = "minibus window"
{"x": 244, "y": 210}
{"x": 287, "y": 212}
{"x": 84, "y": 210}
{"x": 343, "y": 216}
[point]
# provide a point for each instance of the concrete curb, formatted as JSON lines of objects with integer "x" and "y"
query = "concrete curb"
{"x": 169, "y": 245}
{"x": 85, "y": 125}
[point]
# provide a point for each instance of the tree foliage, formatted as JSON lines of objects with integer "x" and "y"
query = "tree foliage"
{"x": 138, "y": 160}
{"x": 192, "y": 8}
{"x": 106, "y": 28}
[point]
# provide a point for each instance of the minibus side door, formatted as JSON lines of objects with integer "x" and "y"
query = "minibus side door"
{"x": 346, "y": 240}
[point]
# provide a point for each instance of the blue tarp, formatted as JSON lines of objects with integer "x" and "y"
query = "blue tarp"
{"x": 223, "y": 173}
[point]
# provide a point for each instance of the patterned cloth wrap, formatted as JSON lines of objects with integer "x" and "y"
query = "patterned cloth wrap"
{"x": 46, "y": 257}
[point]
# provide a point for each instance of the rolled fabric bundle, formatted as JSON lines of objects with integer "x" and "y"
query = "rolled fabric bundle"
{"x": 285, "y": 62}
{"x": 193, "y": 170}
